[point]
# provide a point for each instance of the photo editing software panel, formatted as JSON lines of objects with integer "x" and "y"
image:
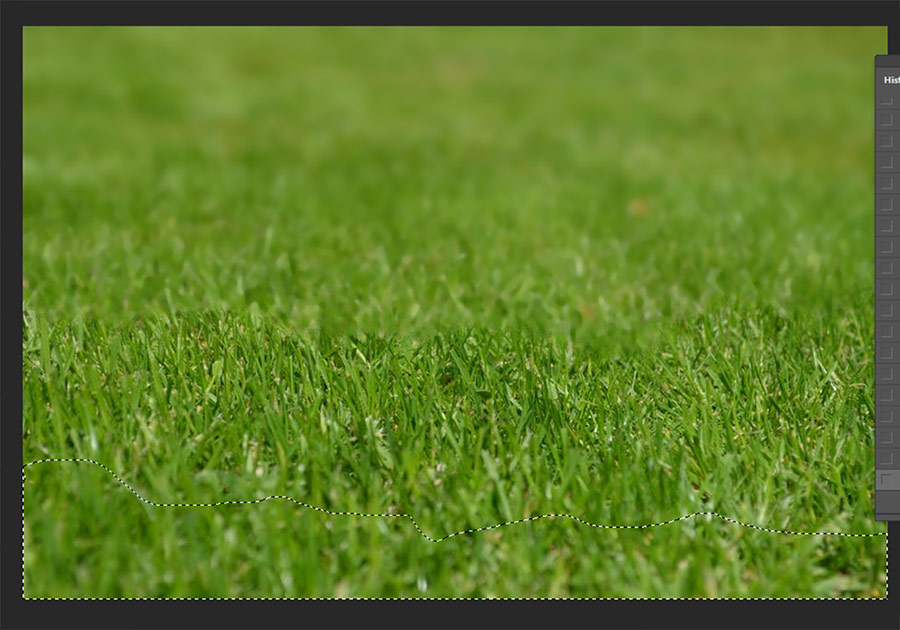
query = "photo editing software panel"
{"x": 887, "y": 283}
{"x": 333, "y": 319}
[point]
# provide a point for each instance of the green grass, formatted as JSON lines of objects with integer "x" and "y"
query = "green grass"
{"x": 472, "y": 275}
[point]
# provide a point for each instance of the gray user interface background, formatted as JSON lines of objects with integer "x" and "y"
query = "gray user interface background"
{"x": 887, "y": 289}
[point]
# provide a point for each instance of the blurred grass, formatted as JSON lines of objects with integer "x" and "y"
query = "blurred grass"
{"x": 619, "y": 272}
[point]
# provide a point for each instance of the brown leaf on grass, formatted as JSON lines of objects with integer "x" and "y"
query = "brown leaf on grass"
{"x": 639, "y": 207}
{"x": 587, "y": 311}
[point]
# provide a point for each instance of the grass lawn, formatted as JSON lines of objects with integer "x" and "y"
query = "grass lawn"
{"x": 470, "y": 275}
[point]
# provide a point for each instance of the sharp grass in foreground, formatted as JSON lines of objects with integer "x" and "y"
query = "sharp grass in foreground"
{"x": 457, "y": 273}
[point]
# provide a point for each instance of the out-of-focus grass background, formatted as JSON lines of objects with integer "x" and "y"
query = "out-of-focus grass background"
{"x": 471, "y": 274}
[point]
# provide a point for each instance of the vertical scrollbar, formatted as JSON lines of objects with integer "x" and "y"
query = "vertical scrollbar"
{"x": 887, "y": 287}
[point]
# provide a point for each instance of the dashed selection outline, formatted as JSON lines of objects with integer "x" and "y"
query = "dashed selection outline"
{"x": 441, "y": 539}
